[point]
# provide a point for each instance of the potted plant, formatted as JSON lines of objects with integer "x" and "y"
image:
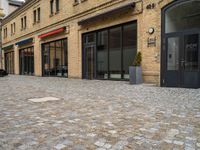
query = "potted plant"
{"x": 135, "y": 71}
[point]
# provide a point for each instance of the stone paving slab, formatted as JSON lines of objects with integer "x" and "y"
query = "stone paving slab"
{"x": 96, "y": 115}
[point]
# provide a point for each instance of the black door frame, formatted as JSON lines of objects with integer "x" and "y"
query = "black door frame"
{"x": 84, "y": 46}
{"x": 164, "y": 40}
{"x": 65, "y": 56}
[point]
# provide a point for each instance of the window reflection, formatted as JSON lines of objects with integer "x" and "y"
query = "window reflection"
{"x": 182, "y": 17}
{"x": 102, "y": 55}
{"x": 115, "y": 53}
{"x": 191, "y": 52}
{"x": 27, "y": 61}
{"x": 129, "y": 47}
{"x": 9, "y": 62}
{"x": 55, "y": 58}
{"x": 173, "y": 54}
{"x": 116, "y": 48}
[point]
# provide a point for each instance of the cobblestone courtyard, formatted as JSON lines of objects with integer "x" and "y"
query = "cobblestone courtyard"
{"x": 96, "y": 115}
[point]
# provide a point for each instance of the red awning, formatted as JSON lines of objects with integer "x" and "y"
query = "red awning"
{"x": 51, "y": 32}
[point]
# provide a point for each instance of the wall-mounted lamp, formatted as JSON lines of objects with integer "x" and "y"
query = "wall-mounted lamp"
{"x": 151, "y": 30}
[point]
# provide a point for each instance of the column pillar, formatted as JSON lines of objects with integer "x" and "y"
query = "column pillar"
{"x": 37, "y": 57}
{"x": 2, "y": 60}
{"x": 16, "y": 59}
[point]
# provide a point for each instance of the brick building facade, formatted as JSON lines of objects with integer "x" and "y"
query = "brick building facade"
{"x": 7, "y": 7}
{"x": 98, "y": 39}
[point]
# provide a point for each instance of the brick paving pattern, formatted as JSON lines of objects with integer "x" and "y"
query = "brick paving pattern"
{"x": 96, "y": 115}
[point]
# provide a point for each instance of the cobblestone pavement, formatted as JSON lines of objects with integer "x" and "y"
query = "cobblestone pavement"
{"x": 96, "y": 115}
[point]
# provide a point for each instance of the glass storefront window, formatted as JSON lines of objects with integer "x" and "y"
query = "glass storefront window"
{"x": 115, "y": 53}
{"x": 102, "y": 55}
{"x": 27, "y": 61}
{"x": 9, "y": 62}
{"x": 55, "y": 58}
{"x": 111, "y": 53}
{"x": 46, "y": 59}
{"x": 129, "y": 47}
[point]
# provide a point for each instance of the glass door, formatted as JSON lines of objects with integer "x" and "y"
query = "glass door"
{"x": 182, "y": 67}
{"x": 9, "y": 62}
{"x": 189, "y": 61}
{"x": 89, "y": 52}
{"x": 172, "y": 66}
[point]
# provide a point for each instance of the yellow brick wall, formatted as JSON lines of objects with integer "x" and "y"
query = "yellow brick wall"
{"x": 69, "y": 15}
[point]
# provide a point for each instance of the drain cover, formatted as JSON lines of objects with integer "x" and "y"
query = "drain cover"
{"x": 44, "y": 99}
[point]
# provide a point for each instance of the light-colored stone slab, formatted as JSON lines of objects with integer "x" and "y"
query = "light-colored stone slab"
{"x": 44, "y": 99}
{"x": 60, "y": 146}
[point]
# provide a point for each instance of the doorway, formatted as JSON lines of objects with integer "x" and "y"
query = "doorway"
{"x": 9, "y": 62}
{"x": 26, "y": 61}
{"x": 182, "y": 61}
{"x": 181, "y": 45}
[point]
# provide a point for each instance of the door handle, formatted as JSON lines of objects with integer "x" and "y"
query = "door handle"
{"x": 182, "y": 63}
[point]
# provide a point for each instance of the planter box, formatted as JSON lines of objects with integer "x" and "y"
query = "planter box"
{"x": 135, "y": 75}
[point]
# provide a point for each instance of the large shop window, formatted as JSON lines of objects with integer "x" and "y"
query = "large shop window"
{"x": 9, "y": 62}
{"x": 55, "y": 58}
{"x": 108, "y": 53}
{"x": 27, "y": 61}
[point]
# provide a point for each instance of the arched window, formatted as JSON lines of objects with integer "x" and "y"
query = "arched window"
{"x": 183, "y": 16}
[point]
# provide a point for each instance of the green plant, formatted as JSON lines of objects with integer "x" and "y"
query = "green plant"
{"x": 138, "y": 59}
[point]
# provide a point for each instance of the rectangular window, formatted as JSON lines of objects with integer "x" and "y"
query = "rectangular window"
{"x": 55, "y": 58}
{"x": 11, "y": 29}
{"x": 25, "y": 22}
{"x": 51, "y": 7}
{"x": 38, "y": 10}
{"x": 115, "y": 53}
{"x": 9, "y": 62}
{"x": 26, "y": 58}
{"x": 22, "y": 23}
{"x": 102, "y": 55}
{"x": 5, "y": 32}
{"x": 109, "y": 55}
{"x": 14, "y": 27}
{"x": 129, "y": 47}
{"x": 57, "y": 6}
{"x": 34, "y": 16}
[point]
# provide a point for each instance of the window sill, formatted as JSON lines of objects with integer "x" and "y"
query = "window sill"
{"x": 75, "y": 4}
{"x": 23, "y": 29}
{"x": 51, "y": 15}
{"x": 57, "y": 12}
